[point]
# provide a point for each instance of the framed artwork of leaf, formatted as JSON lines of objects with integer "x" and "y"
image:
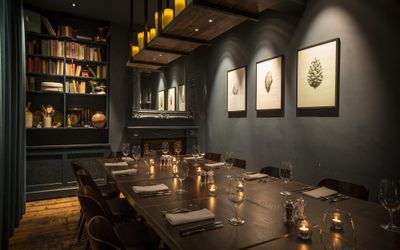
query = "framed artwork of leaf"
{"x": 171, "y": 99}
{"x": 269, "y": 87}
{"x": 318, "y": 79}
{"x": 236, "y": 92}
{"x": 161, "y": 101}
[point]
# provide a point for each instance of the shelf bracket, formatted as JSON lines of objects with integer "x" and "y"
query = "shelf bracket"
{"x": 227, "y": 10}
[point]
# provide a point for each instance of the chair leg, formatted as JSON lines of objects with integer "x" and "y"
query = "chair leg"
{"x": 82, "y": 226}
{"x": 87, "y": 247}
{"x": 80, "y": 219}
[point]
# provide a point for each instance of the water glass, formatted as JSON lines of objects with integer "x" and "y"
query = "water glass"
{"x": 389, "y": 197}
{"x": 165, "y": 147}
{"x": 136, "y": 152}
{"x": 178, "y": 147}
{"x": 183, "y": 172}
{"x": 286, "y": 174}
{"x": 236, "y": 194}
{"x": 126, "y": 149}
{"x": 196, "y": 154}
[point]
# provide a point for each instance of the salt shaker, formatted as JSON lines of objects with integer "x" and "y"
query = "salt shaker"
{"x": 288, "y": 212}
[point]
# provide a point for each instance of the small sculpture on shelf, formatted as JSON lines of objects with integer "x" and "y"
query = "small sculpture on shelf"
{"x": 99, "y": 119}
{"x": 28, "y": 116}
{"x": 47, "y": 112}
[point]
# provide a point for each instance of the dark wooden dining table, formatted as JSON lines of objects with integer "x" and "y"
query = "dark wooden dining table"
{"x": 262, "y": 212}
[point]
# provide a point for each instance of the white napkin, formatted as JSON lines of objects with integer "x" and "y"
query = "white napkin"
{"x": 192, "y": 157}
{"x": 131, "y": 171}
{"x": 152, "y": 188}
{"x": 214, "y": 165}
{"x": 183, "y": 218}
{"x": 127, "y": 159}
{"x": 320, "y": 192}
{"x": 116, "y": 164}
{"x": 254, "y": 176}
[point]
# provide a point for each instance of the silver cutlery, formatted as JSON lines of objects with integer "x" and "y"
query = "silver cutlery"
{"x": 176, "y": 211}
{"x": 201, "y": 228}
{"x": 326, "y": 198}
{"x": 159, "y": 193}
{"x": 339, "y": 198}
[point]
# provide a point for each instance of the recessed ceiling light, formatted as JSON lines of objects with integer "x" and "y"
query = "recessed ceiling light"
{"x": 196, "y": 29}
{"x": 154, "y": 58}
{"x": 74, "y": 4}
{"x": 210, "y": 20}
{"x": 159, "y": 54}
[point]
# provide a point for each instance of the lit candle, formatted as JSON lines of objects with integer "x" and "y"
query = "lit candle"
{"x": 140, "y": 37}
{"x": 174, "y": 170}
{"x": 212, "y": 191}
{"x": 198, "y": 171}
{"x": 151, "y": 162}
{"x": 152, "y": 33}
{"x": 156, "y": 20}
{"x": 304, "y": 231}
{"x": 151, "y": 170}
{"x": 179, "y": 6}
{"x": 135, "y": 50}
{"x": 167, "y": 17}
{"x": 337, "y": 223}
{"x": 240, "y": 186}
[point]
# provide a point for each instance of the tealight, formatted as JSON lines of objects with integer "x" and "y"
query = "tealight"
{"x": 198, "y": 171}
{"x": 174, "y": 170}
{"x": 304, "y": 231}
{"x": 212, "y": 190}
{"x": 151, "y": 162}
{"x": 337, "y": 223}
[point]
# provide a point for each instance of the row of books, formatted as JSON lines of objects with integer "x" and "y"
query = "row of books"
{"x": 46, "y": 47}
{"x": 45, "y": 66}
{"x": 73, "y": 69}
{"x": 83, "y": 52}
{"x": 75, "y": 87}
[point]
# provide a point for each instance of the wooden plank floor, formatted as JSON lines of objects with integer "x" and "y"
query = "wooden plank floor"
{"x": 49, "y": 224}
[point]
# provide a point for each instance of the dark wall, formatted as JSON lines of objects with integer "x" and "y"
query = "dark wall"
{"x": 361, "y": 144}
{"x": 121, "y": 77}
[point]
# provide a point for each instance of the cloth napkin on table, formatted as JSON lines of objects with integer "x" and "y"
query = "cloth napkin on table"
{"x": 131, "y": 171}
{"x": 183, "y": 218}
{"x": 116, "y": 164}
{"x": 127, "y": 159}
{"x": 148, "y": 189}
{"x": 214, "y": 165}
{"x": 192, "y": 157}
{"x": 320, "y": 192}
{"x": 254, "y": 176}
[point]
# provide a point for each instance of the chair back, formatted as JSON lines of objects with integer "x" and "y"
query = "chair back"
{"x": 271, "y": 171}
{"x": 239, "y": 163}
{"x": 212, "y": 156}
{"x": 86, "y": 179}
{"x": 347, "y": 188}
{"x": 76, "y": 166}
{"x": 93, "y": 204}
{"x": 101, "y": 235}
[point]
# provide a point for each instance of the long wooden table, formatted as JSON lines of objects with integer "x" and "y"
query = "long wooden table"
{"x": 262, "y": 212}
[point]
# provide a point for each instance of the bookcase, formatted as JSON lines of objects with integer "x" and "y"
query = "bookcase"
{"x": 67, "y": 75}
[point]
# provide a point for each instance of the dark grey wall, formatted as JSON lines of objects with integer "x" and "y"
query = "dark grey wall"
{"x": 121, "y": 78}
{"x": 361, "y": 144}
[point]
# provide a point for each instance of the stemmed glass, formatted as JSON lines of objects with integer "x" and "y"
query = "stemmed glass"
{"x": 136, "y": 152}
{"x": 126, "y": 149}
{"x": 196, "y": 154}
{"x": 389, "y": 197}
{"x": 178, "y": 147}
{"x": 228, "y": 162}
{"x": 286, "y": 174}
{"x": 165, "y": 147}
{"x": 236, "y": 195}
{"x": 183, "y": 172}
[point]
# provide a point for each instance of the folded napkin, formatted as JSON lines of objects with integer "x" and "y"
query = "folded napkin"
{"x": 254, "y": 176}
{"x": 127, "y": 159}
{"x": 152, "y": 188}
{"x": 116, "y": 164}
{"x": 183, "y": 218}
{"x": 214, "y": 165}
{"x": 320, "y": 192}
{"x": 192, "y": 157}
{"x": 125, "y": 172}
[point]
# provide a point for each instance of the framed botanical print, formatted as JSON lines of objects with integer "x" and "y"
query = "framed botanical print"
{"x": 181, "y": 98}
{"x": 161, "y": 102}
{"x": 236, "y": 92}
{"x": 171, "y": 99}
{"x": 269, "y": 87}
{"x": 318, "y": 79}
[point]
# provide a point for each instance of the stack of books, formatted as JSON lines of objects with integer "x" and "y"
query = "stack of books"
{"x": 52, "y": 87}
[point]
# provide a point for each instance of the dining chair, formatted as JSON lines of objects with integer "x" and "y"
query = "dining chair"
{"x": 239, "y": 163}
{"x": 347, "y": 188}
{"x": 271, "y": 171}
{"x": 102, "y": 236}
{"x": 131, "y": 232}
{"x": 212, "y": 156}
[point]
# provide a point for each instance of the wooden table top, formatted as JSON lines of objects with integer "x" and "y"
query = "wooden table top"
{"x": 262, "y": 212}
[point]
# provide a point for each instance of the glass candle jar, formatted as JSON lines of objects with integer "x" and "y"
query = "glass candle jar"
{"x": 304, "y": 231}
{"x": 212, "y": 190}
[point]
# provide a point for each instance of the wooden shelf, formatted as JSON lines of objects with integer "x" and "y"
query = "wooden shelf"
{"x": 244, "y": 7}
{"x": 44, "y": 75}
{"x": 63, "y": 38}
{"x": 84, "y": 61}
{"x": 86, "y": 94}
{"x": 46, "y": 57}
{"x": 44, "y": 92}
{"x": 86, "y": 78}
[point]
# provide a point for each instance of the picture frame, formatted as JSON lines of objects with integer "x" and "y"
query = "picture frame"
{"x": 161, "y": 101}
{"x": 270, "y": 87}
{"x": 317, "y": 92}
{"x": 171, "y": 100}
{"x": 181, "y": 98}
{"x": 236, "y": 92}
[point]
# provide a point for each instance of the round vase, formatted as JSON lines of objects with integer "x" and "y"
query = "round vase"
{"x": 99, "y": 120}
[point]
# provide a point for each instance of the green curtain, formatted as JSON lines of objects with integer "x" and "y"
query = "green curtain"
{"x": 12, "y": 118}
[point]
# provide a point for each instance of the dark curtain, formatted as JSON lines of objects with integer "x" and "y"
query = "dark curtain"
{"x": 12, "y": 118}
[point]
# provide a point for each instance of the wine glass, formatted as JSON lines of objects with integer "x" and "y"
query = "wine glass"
{"x": 165, "y": 147}
{"x": 286, "y": 174}
{"x": 196, "y": 154}
{"x": 183, "y": 172}
{"x": 136, "y": 153}
{"x": 228, "y": 162}
{"x": 337, "y": 230}
{"x": 236, "y": 195}
{"x": 389, "y": 197}
{"x": 178, "y": 147}
{"x": 126, "y": 149}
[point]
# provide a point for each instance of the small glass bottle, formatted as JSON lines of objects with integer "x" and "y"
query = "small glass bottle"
{"x": 288, "y": 212}
{"x": 210, "y": 177}
{"x": 300, "y": 206}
